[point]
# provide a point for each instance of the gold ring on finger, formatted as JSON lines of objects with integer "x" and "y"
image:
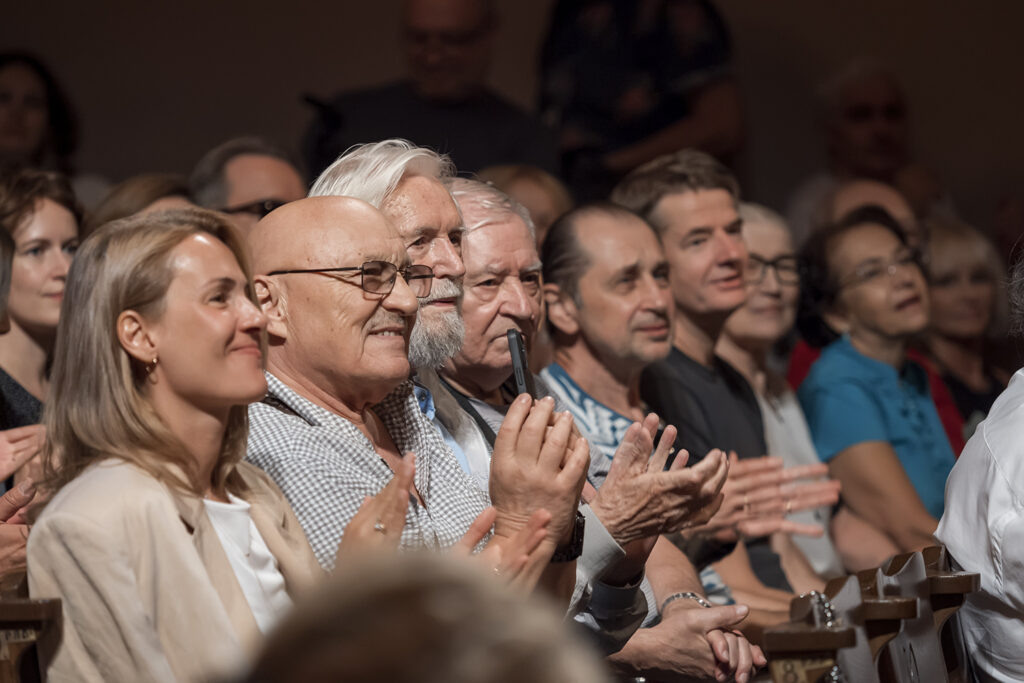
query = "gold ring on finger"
{"x": 379, "y": 527}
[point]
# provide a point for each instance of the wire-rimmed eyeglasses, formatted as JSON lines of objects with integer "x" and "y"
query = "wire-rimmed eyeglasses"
{"x": 378, "y": 277}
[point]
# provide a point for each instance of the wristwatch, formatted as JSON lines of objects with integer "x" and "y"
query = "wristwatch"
{"x": 574, "y": 548}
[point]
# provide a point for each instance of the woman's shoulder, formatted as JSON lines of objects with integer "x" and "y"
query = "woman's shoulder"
{"x": 108, "y": 491}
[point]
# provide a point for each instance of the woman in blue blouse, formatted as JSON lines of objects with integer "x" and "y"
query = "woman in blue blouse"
{"x": 869, "y": 409}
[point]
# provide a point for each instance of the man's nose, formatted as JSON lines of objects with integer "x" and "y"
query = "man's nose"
{"x": 401, "y": 298}
{"x": 517, "y": 302}
{"x": 447, "y": 262}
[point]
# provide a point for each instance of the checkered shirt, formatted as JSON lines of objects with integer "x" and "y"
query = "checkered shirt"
{"x": 326, "y": 467}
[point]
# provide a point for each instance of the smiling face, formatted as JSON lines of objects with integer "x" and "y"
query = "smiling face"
{"x": 426, "y": 217}
{"x": 502, "y": 291}
{"x": 703, "y": 241}
{"x": 625, "y": 311}
{"x": 882, "y": 291}
{"x": 44, "y": 244}
{"x": 770, "y": 309}
{"x": 208, "y": 334}
{"x": 332, "y": 334}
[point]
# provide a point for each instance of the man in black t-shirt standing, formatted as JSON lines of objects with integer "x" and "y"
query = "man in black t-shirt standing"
{"x": 691, "y": 199}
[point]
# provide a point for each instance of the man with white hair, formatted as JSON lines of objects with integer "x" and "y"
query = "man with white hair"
{"x": 637, "y": 500}
{"x": 405, "y": 181}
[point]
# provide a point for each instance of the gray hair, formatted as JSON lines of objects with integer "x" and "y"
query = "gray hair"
{"x": 477, "y": 197}
{"x": 207, "y": 184}
{"x": 831, "y": 91}
{"x": 371, "y": 172}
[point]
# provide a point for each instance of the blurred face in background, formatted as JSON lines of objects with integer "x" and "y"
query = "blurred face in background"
{"x": 44, "y": 245}
{"x": 868, "y": 128}
{"x": 256, "y": 184}
{"x": 24, "y": 117}
{"x": 447, "y": 47}
{"x": 773, "y": 286}
{"x": 962, "y": 287}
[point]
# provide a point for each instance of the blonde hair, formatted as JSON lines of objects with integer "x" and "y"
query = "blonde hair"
{"x": 96, "y": 407}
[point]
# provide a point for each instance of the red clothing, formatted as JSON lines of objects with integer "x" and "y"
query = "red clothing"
{"x": 804, "y": 356}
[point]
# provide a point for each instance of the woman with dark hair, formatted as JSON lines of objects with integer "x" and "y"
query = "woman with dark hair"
{"x": 869, "y": 409}
{"x": 38, "y": 210}
{"x": 37, "y": 125}
{"x": 38, "y": 128}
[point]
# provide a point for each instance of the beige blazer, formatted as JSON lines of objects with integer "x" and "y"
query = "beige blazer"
{"x": 149, "y": 594}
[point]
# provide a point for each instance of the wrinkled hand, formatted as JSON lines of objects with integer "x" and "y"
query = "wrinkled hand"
{"x": 537, "y": 467}
{"x": 696, "y": 644}
{"x": 380, "y": 520}
{"x": 13, "y": 530}
{"x": 18, "y": 446}
{"x": 640, "y": 499}
{"x": 760, "y": 492}
{"x": 519, "y": 560}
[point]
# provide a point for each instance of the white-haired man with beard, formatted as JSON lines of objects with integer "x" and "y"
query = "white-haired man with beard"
{"x": 637, "y": 501}
{"x": 406, "y": 183}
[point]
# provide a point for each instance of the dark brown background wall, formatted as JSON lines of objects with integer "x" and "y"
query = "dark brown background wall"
{"x": 156, "y": 85}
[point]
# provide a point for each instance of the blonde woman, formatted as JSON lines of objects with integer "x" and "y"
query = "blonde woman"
{"x": 171, "y": 556}
{"x": 968, "y": 313}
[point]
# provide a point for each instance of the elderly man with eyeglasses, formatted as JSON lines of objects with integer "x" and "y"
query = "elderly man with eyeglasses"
{"x": 340, "y": 417}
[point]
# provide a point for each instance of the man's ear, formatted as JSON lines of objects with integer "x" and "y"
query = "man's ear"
{"x": 562, "y": 310}
{"x": 271, "y": 299}
{"x": 136, "y": 338}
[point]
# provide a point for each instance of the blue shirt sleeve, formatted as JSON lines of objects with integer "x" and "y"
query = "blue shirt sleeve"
{"x": 841, "y": 415}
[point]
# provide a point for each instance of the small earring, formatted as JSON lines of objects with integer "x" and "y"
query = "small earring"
{"x": 151, "y": 365}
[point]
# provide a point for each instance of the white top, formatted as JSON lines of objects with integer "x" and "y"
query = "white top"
{"x": 255, "y": 567}
{"x": 787, "y": 436}
{"x": 983, "y": 529}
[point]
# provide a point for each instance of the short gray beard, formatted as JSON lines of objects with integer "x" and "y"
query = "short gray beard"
{"x": 433, "y": 343}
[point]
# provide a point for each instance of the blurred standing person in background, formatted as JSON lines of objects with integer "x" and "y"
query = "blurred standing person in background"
{"x": 626, "y": 81}
{"x": 864, "y": 113}
{"x": 38, "y": 128}
{"x": 444, "y": 102}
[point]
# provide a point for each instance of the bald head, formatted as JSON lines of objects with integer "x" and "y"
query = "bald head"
{"x": 316, "y": 232}
{"x": 331, "y": 340}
